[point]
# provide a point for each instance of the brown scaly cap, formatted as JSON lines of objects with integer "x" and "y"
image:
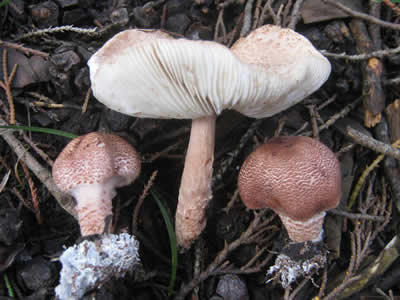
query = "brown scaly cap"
{"x": 94, "y": 158}
{"x": 297, "y": 177}
{"x": 90, "y": 168}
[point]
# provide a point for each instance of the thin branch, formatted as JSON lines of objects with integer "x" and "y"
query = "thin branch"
{"x": 294, "y": 18}
{"x": 140, "y": 201}
{"x": 41, "y": 172}
{"x": 363, "y": 16}
{"x": 23, "y": 49}
{"x": 65, "y": 28}
{"x": 247, "y": 18}
{"x": 372, "y": 143}
{"x": 6, "y": 85}
{"x": 364, "y": 56}
{"x": 354, "y": 216}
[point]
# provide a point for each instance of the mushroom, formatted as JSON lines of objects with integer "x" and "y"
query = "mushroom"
{"x": 90, "y": 168}
{"x": 150, "y": 74}
{"x": 298, "y": 177}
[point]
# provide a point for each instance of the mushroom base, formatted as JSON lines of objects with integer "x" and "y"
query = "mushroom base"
{"x": 302, "y": 231}
{"x": 297, "y": 260}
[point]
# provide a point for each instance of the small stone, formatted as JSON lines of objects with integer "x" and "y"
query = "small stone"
{"x": 120, "y": 16}
{"x": 61, "y": 80}
{"x": 177, "y": 23}
{"x": 40, "y": 67}
{"x": 65, "y": 60}
{"x": 145, "y": 17}
{"x": 37, "y": 273}
{"x": 45, "y": 14}
{"x": 231, "y": 287}
{"x": 10, "y": 224}
{"x": 177, "y": 6}
{"x": 74, "y": 17}
{"x": 82, "y": 81}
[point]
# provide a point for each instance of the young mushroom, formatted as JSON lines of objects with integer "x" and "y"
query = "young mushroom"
{"x": 300, "y": 179}
{"x": 150, "y": 74}
{"x": 90, "y": 168}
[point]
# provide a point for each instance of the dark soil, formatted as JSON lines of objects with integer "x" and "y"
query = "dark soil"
{"x": 224, "y": 263}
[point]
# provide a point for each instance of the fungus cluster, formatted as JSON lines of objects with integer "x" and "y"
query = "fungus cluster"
{"x": 150, "y": 74}
{"x": 300, "y": 179}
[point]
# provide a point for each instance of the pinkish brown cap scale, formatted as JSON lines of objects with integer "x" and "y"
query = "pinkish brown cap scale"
{"x": 90, "y": 168}
{"x": 298, "y": 177}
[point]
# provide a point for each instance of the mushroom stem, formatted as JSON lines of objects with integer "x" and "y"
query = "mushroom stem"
{"x": 308, "y": 230}
{"x": 195, "y": 190}
{"x": 94, "y": 206}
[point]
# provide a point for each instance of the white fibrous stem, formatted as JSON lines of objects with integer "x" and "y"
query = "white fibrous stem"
{"x": 195, "y": 190}
{"x": 94, "y": 206}
{"x": 302, "y": 231}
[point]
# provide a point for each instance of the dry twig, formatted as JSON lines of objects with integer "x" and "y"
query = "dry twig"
{"x": 140, "y": 201}
{"x": 219, "y": 264}
{"x": 35, "y": 200}
{"x": 26, "y": 50}
{"x": 363, "y": 16}
{"x": 41, "y": 172}
{"x": 372, "y": 143}
{"x": 6, "y": 85}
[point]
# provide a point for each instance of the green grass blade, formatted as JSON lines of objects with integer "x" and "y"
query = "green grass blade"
{"x": 4, "y": 2}
{"x": 8, "y": 286}
{"x": 40, "y": 129}
{"x": 172, "y": 240}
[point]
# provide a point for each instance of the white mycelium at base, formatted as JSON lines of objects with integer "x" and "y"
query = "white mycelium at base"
{"x": 89, "y": 264}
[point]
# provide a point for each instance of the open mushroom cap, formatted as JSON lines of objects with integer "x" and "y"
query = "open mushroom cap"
{"x": 96, "y": 158}
{"x": 149, "y": 74}
{"x": 293, "y": 68}
{"x": 298, "y": 177}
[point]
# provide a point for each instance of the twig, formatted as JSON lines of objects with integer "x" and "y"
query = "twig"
{"x": 364, "y": 175}
{"x": 364, "y": 56}
{"x": 354, "y": 216}
{"x": 393, "y": 6}
{"x": 140, "y": 201}
{"x": 247, "y": 18}
{"x": 86, "y": 100}
{"x": 225, "y": 164}
{"x": 294, "y": 18}
{"x": 23, "y": 49}
{"x": 35, "y": 200}
{"x": 268, "y": 7}
{"x": 65, "y": 28}
{"x": 6, "y": 85}
{"x": 314, "y": 125}
{"x": 372, "y": 143}
{"x": 220, "y": 26}
{"x": 385, "y": 259}
{"x": 335, "y": 117}
{"x": 363, "y": 16}
{"x": 41, "y": 173}
{"x": 218, "y": 262}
